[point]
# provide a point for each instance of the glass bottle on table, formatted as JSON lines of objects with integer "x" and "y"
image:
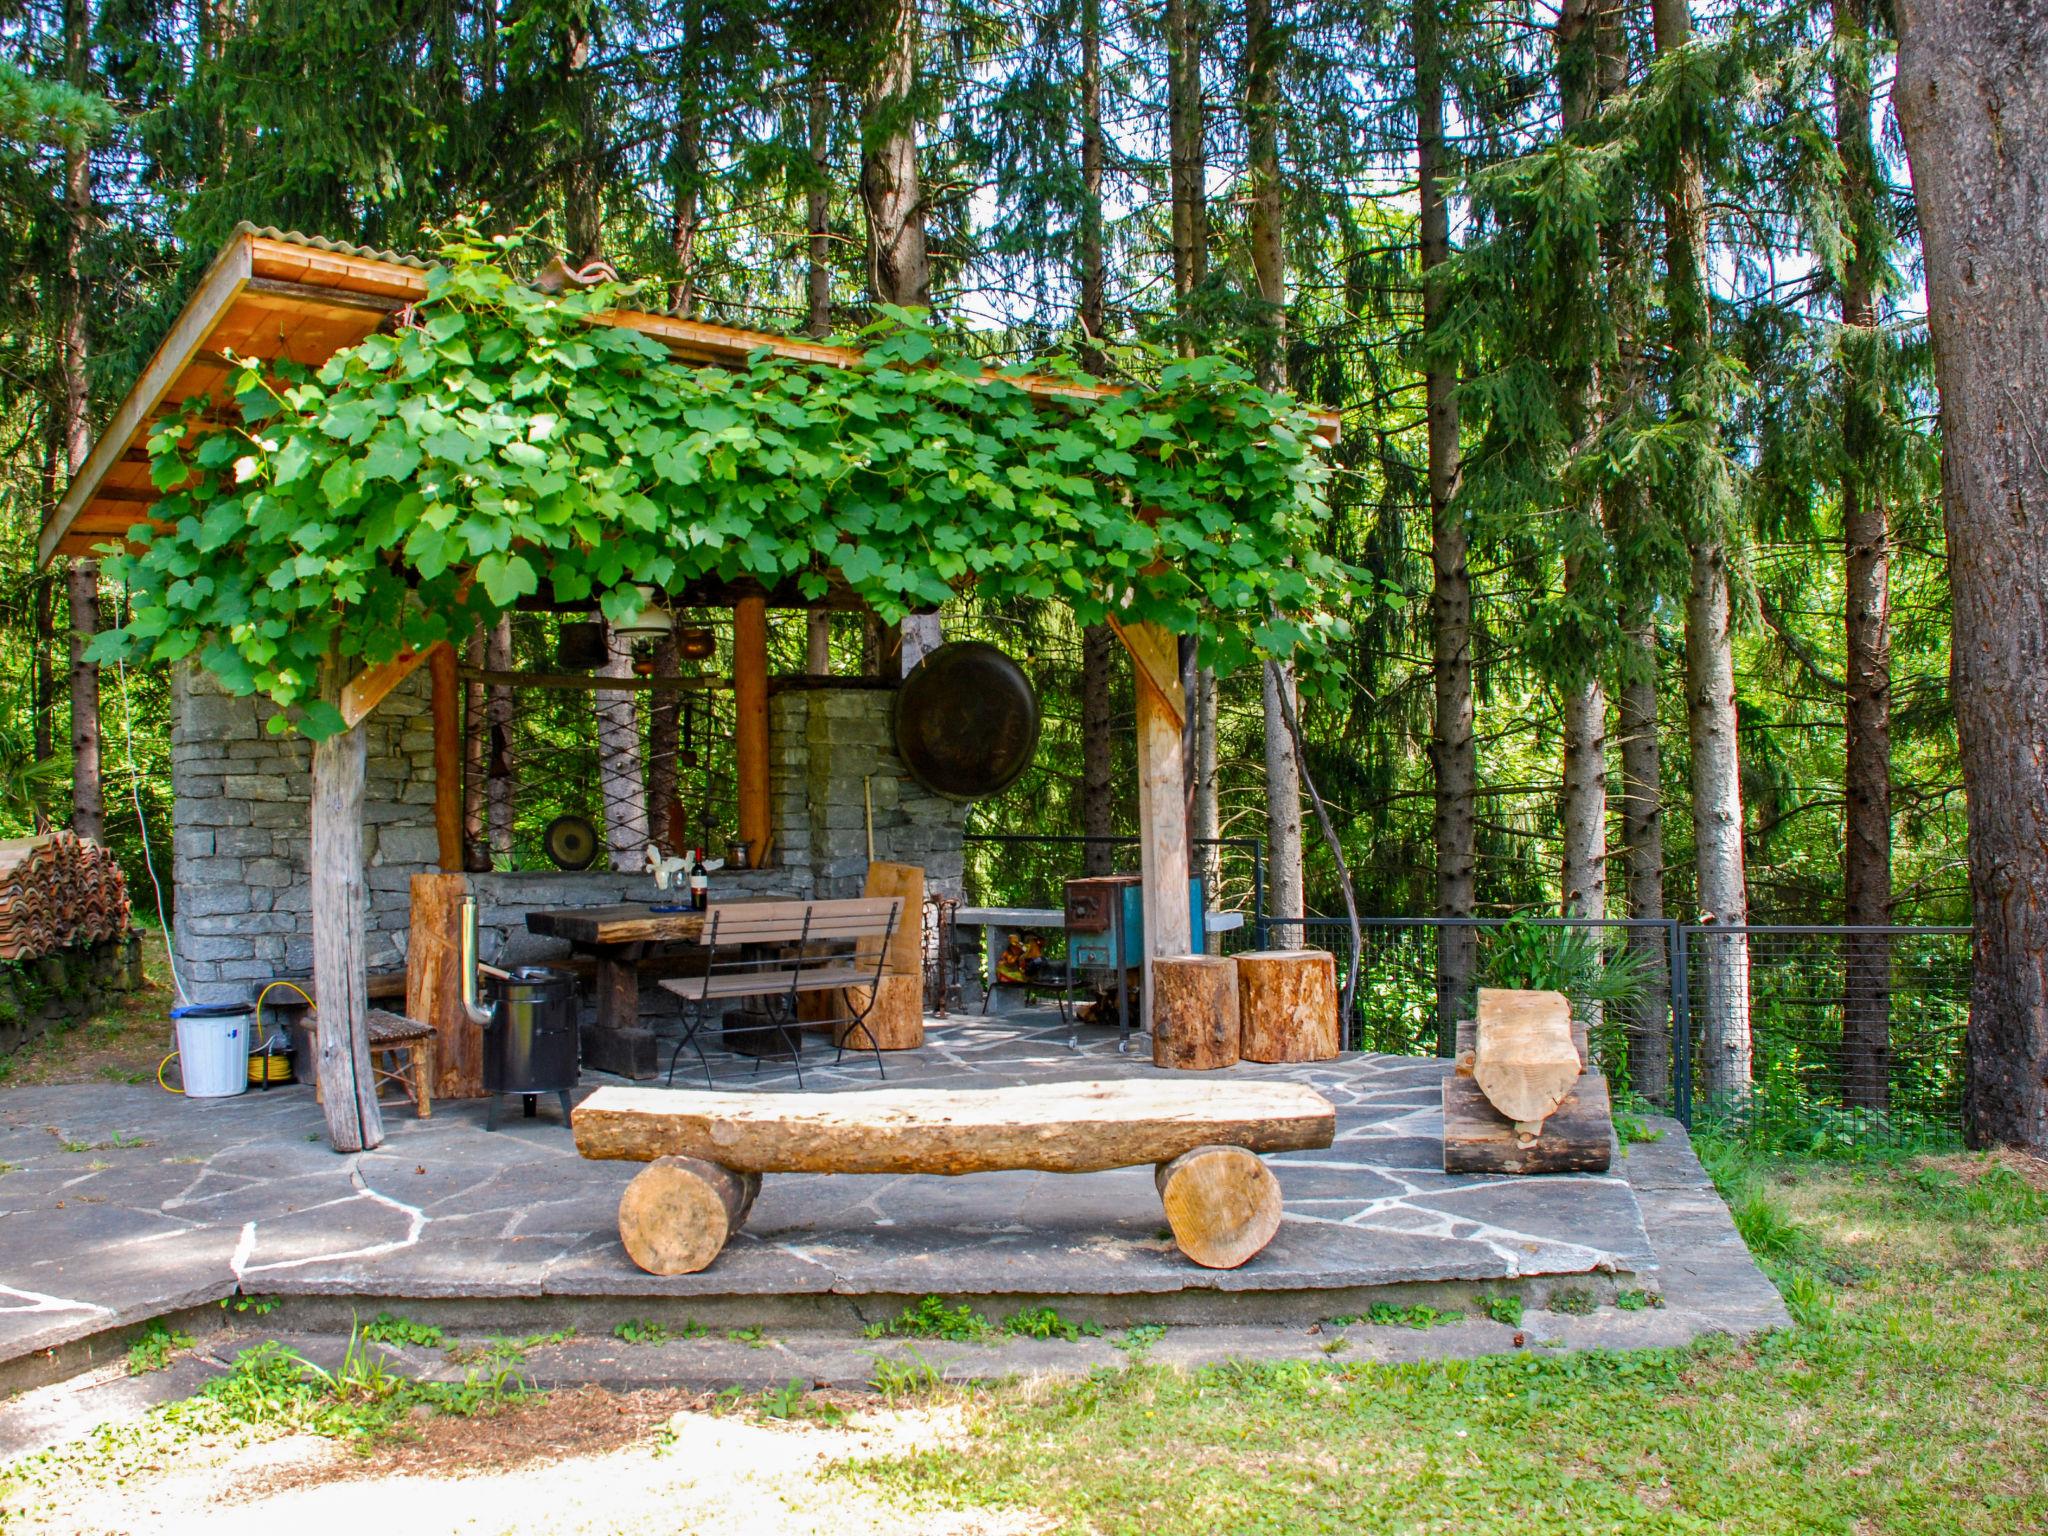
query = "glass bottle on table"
{"x": 700, "y": 882}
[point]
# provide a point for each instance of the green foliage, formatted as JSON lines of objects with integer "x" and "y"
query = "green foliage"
{"x": 423, "y": 482}
{"x": 1551, "y": 957}
{"x": 49, "y": 112}
{"x": 1503, "y": 1309}
{"x": 152, "y": 1348}
{"x": 649, "y": 1331}
{"x": 931, "y": 1318}
{"x": 385, "y": 1328}
{"x": 908, "y": 1374}
{"x": 1046, "y": 1323}
{"x": 1572, "y": 1301}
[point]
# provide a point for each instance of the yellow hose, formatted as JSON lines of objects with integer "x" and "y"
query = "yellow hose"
{"x": 167, "y": 1088}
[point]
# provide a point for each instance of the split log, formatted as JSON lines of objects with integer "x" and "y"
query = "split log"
{"x": 1194, "y": 1012}
{"x": 1523, "y": 1056}
{"x": 1287, "y": 1002}
{"x": 678, "y": 1213}
{"x": 1577, "y": 1137}
{"x": 348, "y": 1084}
{"x": 896, "y": 1021}
{"x": 1051, "y": 1127}
{"x": 1222, "y": 1203}
{"x": 433, "y": 984}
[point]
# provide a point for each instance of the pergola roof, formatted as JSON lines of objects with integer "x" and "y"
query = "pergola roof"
{"x": 274, "y": 293}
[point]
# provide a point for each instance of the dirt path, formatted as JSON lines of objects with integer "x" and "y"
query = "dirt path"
{"x": 586, "y": 1463}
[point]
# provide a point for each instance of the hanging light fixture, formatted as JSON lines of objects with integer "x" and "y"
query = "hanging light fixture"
{"x": 651, "y": 622}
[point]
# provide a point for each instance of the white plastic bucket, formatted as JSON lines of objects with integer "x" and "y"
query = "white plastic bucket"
{"x": 213, "y": 1049}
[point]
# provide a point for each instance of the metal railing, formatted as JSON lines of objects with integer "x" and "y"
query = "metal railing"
{"x": 1751, "y": 1021}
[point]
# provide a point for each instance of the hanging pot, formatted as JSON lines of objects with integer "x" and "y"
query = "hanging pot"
{"x": 966, "y": 721}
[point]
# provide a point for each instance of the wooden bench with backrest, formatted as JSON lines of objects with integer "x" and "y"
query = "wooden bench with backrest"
{"x": 706, "y": 1152}
{"x": 781, "y": 950}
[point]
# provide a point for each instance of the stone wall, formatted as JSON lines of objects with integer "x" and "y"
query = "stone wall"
{"x": 241, "y": 829}
{"x": 57, "y": 990}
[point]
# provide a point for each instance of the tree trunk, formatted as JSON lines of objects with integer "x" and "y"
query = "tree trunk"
{"x": 818, "y": 206}
{"x": 1709, "y": 652}
{"x": 1186, "y": 160}
{"x": 43, "y": 674}
{"x": 1285, "y": 896}
{"x": 899, "y": 269}
{"x": 1207, "y": 824}
{"x": 1717, "y": 822}
{"x": 1098, "y": 644}
{"x": 501, "y": 767}
{"x": 582, "y": 192}
{"x": 1098, "y": 760}
{"x": 1866, "y": 541}
{"x": 1453, "y": 749}
{"x": 88, "y": 806}
{"x": 683, "y": 221}
{"x": 1262, "y": 46}
{"x": 818, "y": 643}
{"x": 1636, "y": 717}
{"x": 476, "y": 757}
{"x": 664, "y": 743}
{"x": 1583, "y": 872}
{"x": 348, "y": 1085}
{"x": 621, "y": 782}
{"x": 1972, "y": 99}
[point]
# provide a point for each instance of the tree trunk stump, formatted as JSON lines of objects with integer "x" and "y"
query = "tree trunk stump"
{"x": 677, "y": 1214}
{"x": 1222, "y": 1203}
{"x": 1287, "y": 1001}
{"x": 1194, "y": 1012}
{"x": 895, "y": 1021}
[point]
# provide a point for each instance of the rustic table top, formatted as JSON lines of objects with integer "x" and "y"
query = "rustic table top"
{"x": 631, "y": 922}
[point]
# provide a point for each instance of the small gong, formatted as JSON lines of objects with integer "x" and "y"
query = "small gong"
{"x": 966, "y": 721}
{"x": 570, "y": 842}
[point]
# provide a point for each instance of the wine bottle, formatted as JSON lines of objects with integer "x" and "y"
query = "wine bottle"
{"x": 700, "y": 882}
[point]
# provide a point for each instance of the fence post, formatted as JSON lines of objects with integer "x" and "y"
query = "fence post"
{"x": 1681, "y": 1024}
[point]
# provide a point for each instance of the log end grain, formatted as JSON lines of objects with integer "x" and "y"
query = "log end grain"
{"x": 678, "y": 1213}
{"x": 1223, "y": 1204}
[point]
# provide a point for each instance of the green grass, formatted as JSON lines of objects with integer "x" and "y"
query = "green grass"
{"x": 1906, "y": 1398}
{"x": 385, "y": 1328}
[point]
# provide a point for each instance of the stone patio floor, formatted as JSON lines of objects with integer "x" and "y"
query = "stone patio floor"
{"x": 123, "y": 1203}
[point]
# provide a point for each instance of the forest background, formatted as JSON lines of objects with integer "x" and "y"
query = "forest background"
{"x": 1621, "y": 304}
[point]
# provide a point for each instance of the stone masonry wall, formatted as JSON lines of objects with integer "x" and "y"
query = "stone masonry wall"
{"x": 241, "y": 829}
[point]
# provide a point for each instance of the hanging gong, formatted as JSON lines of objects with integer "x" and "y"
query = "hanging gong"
{"x": 966, "y": 721}
{"x": 570, "y": 842}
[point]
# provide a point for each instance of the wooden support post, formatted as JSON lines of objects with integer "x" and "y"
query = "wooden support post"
{"x": 750, "y": 704}
{"x": 447, "y": 757}
{"x": 1162, "y": 795}
{"x": 348, "y": 1086}
{"x": 433, "y": 984}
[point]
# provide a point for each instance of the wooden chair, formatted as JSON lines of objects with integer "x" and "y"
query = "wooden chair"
{"x": 811, "y": 940}
{"x": 401, "y": 1055}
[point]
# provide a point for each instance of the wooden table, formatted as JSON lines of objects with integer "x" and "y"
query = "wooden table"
{"x": 618, "y": 939}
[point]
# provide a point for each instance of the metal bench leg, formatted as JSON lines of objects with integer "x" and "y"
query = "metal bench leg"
{"x": 690, "y": 1027}
{"x": 491, "y": 1113}
{"x": 874, "y": 1046}
{"x": 564, "y": 1096}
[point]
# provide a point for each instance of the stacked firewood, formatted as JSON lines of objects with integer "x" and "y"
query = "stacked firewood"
{"x": 58, "y": 891}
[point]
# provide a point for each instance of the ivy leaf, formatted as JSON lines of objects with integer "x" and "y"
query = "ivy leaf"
{"x": 506, "y": 577}
{"x": 392, "y": 456}
{"x": 322, "y": 720}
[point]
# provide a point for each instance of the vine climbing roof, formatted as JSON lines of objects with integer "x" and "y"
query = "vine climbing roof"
{"x": 280, "y": 294}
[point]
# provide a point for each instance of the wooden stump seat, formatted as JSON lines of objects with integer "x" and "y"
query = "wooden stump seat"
{"x": 1521, "y": 1097}
{"x": 707, "y": 1150}
{"x": 401, "y": 1054}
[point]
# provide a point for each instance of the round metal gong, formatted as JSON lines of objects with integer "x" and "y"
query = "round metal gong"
{"x": 966, "y": 721}
{"x": 570, "y": 842}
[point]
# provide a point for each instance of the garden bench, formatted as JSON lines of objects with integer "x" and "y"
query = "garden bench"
{"x": 810, "y": 940}
{"x": 707, "y": 1151}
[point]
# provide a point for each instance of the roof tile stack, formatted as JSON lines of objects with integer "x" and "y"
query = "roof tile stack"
{"x": 57, "y": 891}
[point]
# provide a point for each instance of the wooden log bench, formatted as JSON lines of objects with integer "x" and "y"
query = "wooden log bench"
{"x": 707, "y": 1151}
{"x": 1522, "y": 1097}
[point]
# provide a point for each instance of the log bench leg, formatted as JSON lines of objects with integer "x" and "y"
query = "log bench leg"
{"x": 1223, "y": 1204}
{"x": 679, "y": 1212}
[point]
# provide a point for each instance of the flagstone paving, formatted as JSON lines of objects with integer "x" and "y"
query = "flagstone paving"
{"x": 120, "y": 1203}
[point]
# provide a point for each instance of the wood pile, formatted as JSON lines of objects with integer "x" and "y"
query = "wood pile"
{"x": 58, "y": 891}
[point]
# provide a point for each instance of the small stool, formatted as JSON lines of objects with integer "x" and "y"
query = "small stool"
{"x": 393, "y": 1036}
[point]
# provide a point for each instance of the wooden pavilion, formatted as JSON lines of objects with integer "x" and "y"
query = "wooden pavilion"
{"x": 277, "y": 295}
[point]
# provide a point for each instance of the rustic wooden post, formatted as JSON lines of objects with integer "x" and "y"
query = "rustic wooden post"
{"x": 750, "y": 705}
{"x": 447, "y": 758}
{"x": 340, "y": 968}
{"x": 1162, "y": 795}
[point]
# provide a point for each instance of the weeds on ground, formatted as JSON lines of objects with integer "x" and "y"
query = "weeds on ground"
{"x": 386, "y": 1328}
{"x": 1046, "y": 1323}
{"x": 791, "y": 1400}
{"x": 754, "y": 1336}
{"x": 906, "y": 1375}
{"x": 1138, "y": 1339}
{"x": 1503, "y": 1309}
{"x": 504, "y": 1350}
{"x": 1638, "y": 1301}
{"x": 152, "y": 1348}
{"x": 931, "y": 1318}
{"x": 636, "y": 1330}
{"x": 1386, "y": 1315}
